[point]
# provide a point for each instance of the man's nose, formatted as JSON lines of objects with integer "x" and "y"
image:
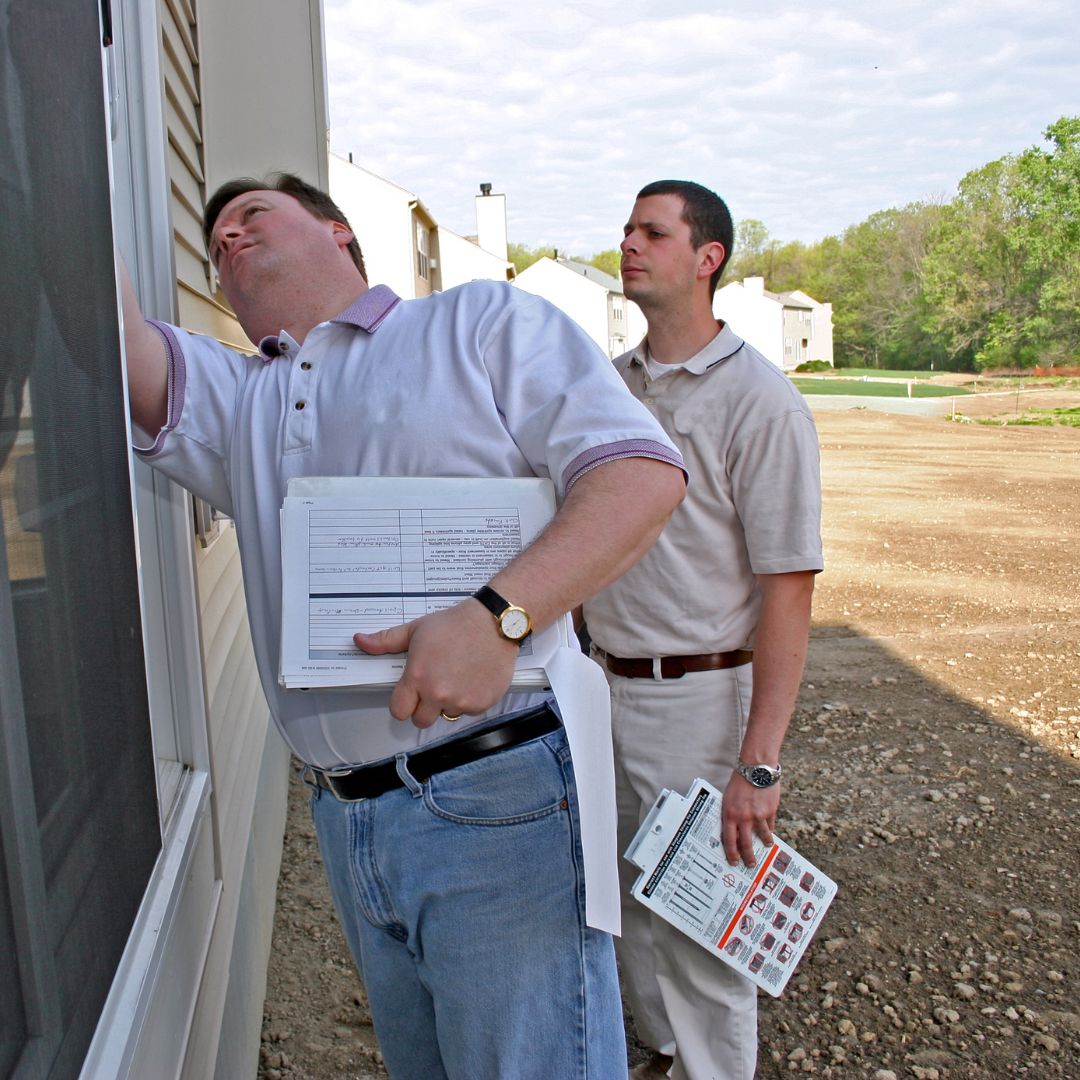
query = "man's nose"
{"x": 628, "y": 244}
{"x": 226, "y": 234}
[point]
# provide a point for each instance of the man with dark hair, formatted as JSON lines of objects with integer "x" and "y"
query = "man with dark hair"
{"x": 705, "y": 213}
{"x": 704, "y": 639}
{"x": 447, "y": 810}
{"x": 311, "y": 198}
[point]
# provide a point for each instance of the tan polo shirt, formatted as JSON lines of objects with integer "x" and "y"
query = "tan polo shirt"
{"x": 753, "y": 505}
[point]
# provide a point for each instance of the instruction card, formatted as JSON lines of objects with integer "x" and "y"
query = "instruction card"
{"x": 361, "y": 554}
{"x": 757, "y": 919}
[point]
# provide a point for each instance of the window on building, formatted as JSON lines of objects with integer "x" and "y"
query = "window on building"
{"x": 423, "y": 260}
{"x": 79, "y": 827}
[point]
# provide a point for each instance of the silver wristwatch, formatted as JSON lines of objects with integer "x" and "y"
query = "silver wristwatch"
{"x": 761, "y": 776}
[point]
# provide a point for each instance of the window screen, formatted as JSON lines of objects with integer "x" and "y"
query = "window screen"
{"x": 79, "y": 826}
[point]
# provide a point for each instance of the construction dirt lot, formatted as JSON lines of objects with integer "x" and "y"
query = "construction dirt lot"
{"x": 934, "y": 764}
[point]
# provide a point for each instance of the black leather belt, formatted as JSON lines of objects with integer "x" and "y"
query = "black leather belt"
{"x": 370, "y": 781}
{"x": 672, "y": 667}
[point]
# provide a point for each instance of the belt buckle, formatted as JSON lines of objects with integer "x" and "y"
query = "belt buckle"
{"x": 675, "y": 665}
{"x": 338, "y": 774}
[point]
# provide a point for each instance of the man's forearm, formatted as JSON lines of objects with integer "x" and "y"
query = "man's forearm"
{"x": 779, "y": 658}
{"x": 146, "y": 364}
{"x": 609, "y": 519}
{"x": 457, "y": 661}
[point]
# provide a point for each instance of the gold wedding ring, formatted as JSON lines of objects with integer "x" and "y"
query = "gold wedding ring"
{"x": 450, "y": 718}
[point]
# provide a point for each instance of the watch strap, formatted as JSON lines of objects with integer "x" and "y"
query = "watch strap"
{"x": 495, "y": 603}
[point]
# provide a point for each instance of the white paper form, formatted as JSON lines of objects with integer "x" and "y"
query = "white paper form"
{"x": 757, "y": 919}
{"x": 360, "y": 554}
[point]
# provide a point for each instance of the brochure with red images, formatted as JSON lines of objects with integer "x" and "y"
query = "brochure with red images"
{"x": 758, "y": 919}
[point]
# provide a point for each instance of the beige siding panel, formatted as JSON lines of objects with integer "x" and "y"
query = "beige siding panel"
{"x": 252, "y": 121}
{"x": 189, "y": 269}
{"x": 200, "y": 314}
{"x": 183, "y": 21}
{"x": 184, "y": 109}
{"x": 238, "y": 720}
{"x": 222, "y": 628}
{"x": 185, "y": 150}
{"x": 185, "y": 183}
{"x": 181, "y": 202}
{"x": 188, "y": 232}
{"x": 228, "y": 1023}
{"x": 178, "y": 63}
{"x": 242, "y": 1009}
{"x": 184, "y": 145}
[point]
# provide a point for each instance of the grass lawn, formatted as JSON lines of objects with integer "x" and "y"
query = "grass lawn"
{"x": 880, "y": 373}
{"x": 874, "y": 389}
{"x": 1042, "y": 418}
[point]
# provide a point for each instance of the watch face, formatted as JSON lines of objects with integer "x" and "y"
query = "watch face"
{"x": 761, "y": 776}
{"x": 514, "y": 623}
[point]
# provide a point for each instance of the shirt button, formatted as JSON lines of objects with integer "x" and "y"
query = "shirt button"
{"x": 300, "y": 404}
{"x": 283, "y": 346}
{"x": 305, "y": 366}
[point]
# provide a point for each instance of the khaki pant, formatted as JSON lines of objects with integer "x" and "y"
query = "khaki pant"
{"x": 666, "y": 734}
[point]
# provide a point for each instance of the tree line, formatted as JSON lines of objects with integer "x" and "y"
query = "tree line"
{"x": 987, "y": 280}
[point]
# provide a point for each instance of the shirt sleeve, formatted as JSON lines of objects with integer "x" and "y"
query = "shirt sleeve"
{"x": 776, "y": 488}
{"x": 205, "y": 381}
{"x": 561, "y": 399}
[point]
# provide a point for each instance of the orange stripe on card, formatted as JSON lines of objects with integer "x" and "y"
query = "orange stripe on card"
{"x": 765, "y": 863}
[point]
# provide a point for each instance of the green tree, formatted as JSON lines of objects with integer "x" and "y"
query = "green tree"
{"x": 1003, "y": 275}
{"x": 879, "y": 310}
{"x": 608, "y": 261}
{"x": 523, "y": 256}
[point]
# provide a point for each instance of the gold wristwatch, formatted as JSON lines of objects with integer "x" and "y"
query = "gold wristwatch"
{"x": 513, "y": 622}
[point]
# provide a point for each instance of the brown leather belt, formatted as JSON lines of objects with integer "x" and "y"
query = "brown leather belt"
{"x": 672, "y": 667}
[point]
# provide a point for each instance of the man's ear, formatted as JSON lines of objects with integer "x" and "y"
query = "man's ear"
{"x": 710, "y": 258}
{"x": 341, "y": 233}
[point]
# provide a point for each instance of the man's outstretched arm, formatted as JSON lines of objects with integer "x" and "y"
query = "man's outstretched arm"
{"x": 458, "y": 662}
{"x": 147, "y": 367}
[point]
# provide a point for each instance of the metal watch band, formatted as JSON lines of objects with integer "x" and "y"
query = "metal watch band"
{"x": 759, "y": 774}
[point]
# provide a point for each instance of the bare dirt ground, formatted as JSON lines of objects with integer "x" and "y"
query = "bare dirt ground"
{"x": 934, "y": 764}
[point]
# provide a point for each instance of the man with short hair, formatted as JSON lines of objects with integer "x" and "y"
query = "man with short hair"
{"x": 704, "y": 640}
{"x": 446, "y": 810}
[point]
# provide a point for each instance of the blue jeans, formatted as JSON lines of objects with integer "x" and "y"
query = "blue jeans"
{"x": 463, "y": 902}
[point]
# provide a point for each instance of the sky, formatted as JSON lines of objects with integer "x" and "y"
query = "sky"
{"x": 806, "y": 117}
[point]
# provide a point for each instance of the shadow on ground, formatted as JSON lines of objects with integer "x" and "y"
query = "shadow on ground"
{"x": 950, "y": 950}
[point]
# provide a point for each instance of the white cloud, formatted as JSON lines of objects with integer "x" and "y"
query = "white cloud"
{"x": 808, "y": 121}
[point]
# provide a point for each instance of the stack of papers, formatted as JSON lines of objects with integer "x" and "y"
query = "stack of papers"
{"x": 360, "y": 554}
{"x": 758, "y": 919}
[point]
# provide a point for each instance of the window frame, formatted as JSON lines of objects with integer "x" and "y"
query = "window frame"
{"x": 184, "y": 889}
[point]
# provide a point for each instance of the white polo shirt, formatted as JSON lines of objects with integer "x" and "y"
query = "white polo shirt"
{"x": 482, "y": 380}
